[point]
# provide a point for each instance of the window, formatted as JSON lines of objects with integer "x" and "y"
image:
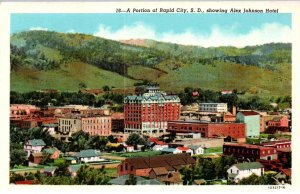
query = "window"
{"x": 126, "y": 166}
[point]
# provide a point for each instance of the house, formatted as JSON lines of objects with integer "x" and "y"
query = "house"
{"x": 250, "y": 152}
{"x": 169, "y": 151}
{"x": 35, "y": 158}
{"x": 243, "y": 170}
{"x": 252, "y": 122}
{"x": 53, "y": 152}
{"x": 279, "y": 122}
{"x": 129, "y": 148}
{"x": 158, "y": 173}
{"x": 173, "y": 178}
{"x": 71, "y": 160}
{"x": 87, "y": 156}
{"x": 142, "y": 166}
{"x": 284, "y": 176}
{"x": 184, "y": 150}
{"x": 73, "y": 169}
{"x": 159, "y": 147}
{"x": 197, "y": 150}
{"x": 34, "y": 146}
{"x": 49, "y": 170}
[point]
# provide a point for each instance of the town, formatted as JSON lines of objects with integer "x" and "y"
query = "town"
{"x": 152, "y": 137}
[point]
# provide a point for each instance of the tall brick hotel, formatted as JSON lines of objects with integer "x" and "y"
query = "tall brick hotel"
{"x": 150, "y": 112}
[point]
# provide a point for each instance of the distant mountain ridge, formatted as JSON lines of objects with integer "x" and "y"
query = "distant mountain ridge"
{"x": 39, "y": 59}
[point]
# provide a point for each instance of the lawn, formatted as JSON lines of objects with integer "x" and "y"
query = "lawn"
{"x": 136, "y": 154}
{"x": 217, "y": 150}
{"x": 253, "y": 140}
{"x": 112, "y": 172}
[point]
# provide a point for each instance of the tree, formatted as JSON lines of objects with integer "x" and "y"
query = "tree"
{"x": 89, "y": 176}
{"x": 17, "y": 157}
{"x": 62, "y": 167}
{"x": 258, "y": 180}
{"x": 106, "y": 88}
{"x": 82, "y": 85}
{"x": 131, "y": 180}
{"x": 112, "y": 139}
{"x": 134, "y": 140}
{"x": 46, "y": 158}
{"x": 16, "y": 177}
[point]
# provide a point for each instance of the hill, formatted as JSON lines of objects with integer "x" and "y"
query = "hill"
{"x": 43, "y": 59}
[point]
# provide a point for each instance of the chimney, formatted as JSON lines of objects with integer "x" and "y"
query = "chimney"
{"x": 234, "y": 110}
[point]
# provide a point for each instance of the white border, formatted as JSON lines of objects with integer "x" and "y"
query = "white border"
{"x": 109, "y": 7}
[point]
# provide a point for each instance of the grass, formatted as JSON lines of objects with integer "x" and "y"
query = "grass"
{"x": 67, "y": 78}
{"x": 136, "y": 154}
{"x": 213, "y": 150}
{"x": 253, "y": 140}
{"x": 255, "y": 80}
{"x": 112, "y": 172}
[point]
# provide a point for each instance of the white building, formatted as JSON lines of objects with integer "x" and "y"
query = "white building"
{"x": 87, "y": 156}
{"x": 243, "y": 170}
{"x": 197, "y": 150}
{"x": 213, "y": 107}
{"x": 33, "y": 146}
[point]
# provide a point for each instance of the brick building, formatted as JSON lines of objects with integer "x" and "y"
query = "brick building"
{"x": 209, "y": 130}
{"x": 213, "y": 107}
{"x": 117, "y": 122}
{"x": 252, "y": 152}
{"x": 143, "y": 165}
{"x": 150, "y": 112}
{"x": 279, "y": 122}
{"x": 94, "y": 125}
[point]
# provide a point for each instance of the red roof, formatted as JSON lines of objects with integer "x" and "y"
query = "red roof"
{"x": 160, "y": 143}
{"x": 183, "y": 148}
{"x": 287, "y": 172}
{"x": 153, "y": 139}
{"x": 249, "y": 113}
{"x": 119, "y": 140}
{"x": 27, "y": 182}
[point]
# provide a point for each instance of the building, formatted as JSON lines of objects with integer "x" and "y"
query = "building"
{"x": 19, "y": 110}
{"x": 34, "y": 146}
{"x": 142, "y": 166}
{"x": 213, "y": 107}
{"x": 278, "y": 144}
{"x": 117, "y": 122}
{"x": 250, "y": 152}
{"x": 52, "y": 152}
{"x": 202, "y": 142}
{"x": 87, "y": 156}
{"x": 252, "y": 122}
{"x": 240, "y": 171}
{"x": 209, "y": 130}
{"x": 93, "y": 125}
{"x": 150, "y": 112}
{"x": 35, "y": 158}
{"x": 96, "y": 125}
{"x": 197, "y": 150}
{"x": 279, "y": 122}
{"x": 182, "y": 150}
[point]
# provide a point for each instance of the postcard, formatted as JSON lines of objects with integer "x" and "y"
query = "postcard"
{"x": 186, "y": 97}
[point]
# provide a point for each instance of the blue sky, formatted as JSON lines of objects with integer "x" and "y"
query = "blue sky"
{"x": 190, "y": 29}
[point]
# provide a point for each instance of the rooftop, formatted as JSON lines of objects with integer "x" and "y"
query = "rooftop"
{"x": 36, "y": 142}
{"x": 249, "y": 113}
{"x": 248, "y": 165}
{"x": 87, "y": 153}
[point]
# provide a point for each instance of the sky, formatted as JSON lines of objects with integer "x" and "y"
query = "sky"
{"x": 204, "y": 30}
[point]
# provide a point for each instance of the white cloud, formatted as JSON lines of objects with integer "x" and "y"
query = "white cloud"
{"x": 269, "y": 32}
{"x": 38, "y": 28}
{"x": 72, "y": 31}
{"x": 138, "y": 30}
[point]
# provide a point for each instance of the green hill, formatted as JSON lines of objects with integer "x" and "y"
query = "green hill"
{"x": 51, "y": 60}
